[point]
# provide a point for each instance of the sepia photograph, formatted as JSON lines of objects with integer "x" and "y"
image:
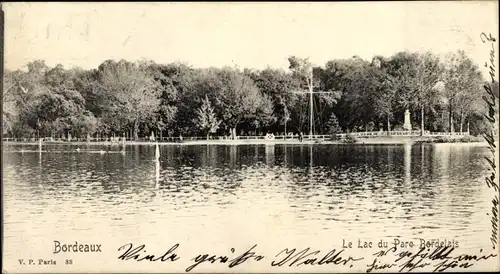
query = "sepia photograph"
{"x": 250, "y": 137}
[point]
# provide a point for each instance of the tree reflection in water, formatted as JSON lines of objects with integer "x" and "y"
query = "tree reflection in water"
{"x": 325, "y": 187}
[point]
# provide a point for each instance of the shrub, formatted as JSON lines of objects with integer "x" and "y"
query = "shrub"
{"x": 333, "y": 126}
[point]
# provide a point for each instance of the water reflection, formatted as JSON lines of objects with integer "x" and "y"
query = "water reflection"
{"x": 269, "y": 150}
{"x": 157, "y": 173}
{"x": 407, "y": 162}
{"x": 311, "y": 162}
{"x": 380, "y": 190}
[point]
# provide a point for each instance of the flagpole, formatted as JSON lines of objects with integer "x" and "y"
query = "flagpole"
{"x": 311, "y": 106}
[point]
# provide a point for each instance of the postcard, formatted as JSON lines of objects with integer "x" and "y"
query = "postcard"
{"x": 248, "y": 137}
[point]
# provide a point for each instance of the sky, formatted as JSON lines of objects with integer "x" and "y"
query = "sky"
{"x": 247, "y": 35}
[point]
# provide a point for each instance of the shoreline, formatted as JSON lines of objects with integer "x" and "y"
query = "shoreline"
{"x": 359, "y": 141}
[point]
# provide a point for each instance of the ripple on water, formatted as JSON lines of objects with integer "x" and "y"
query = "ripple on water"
{"x": 354, "y": 191}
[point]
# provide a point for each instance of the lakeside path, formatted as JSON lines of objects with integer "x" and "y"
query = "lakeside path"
{"x": 359, "y": 141}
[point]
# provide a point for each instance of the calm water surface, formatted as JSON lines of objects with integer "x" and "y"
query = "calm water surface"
{"x": 227, "y": 194}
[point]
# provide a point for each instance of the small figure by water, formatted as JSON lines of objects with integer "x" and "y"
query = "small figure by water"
{"x": 301, "y": 137}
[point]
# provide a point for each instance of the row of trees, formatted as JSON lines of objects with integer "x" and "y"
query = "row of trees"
{"x": 137, "y": 98}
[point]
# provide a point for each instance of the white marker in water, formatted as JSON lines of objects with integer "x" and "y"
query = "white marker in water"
{"x": 40, "y": 145}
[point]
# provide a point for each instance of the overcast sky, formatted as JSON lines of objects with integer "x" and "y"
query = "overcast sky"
{"x": 252, "y": 35}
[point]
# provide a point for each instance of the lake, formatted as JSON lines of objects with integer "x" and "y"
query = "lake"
{"x": 220, "y": 196}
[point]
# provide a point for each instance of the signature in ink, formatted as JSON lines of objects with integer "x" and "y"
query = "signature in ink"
{"x": 293, "y": 257}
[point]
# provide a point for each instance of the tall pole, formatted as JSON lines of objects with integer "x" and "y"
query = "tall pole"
{"x": 311, "y": 106}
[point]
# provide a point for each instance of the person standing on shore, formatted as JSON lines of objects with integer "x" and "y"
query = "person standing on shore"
{"x": 300, "y": 136}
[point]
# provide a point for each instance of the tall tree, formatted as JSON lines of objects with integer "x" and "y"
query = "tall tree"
{"x": 463, "y": 80}
{"x": 384, "y": 100}
{"x": 133, "y": 93}
{"x": 302, "y": 69}
{"x": 236, "y": 97}
{"x": 21, "y": 89}
{"x": 206, "y": 119}
{"x": 429, "y": 71}
{"x": 165, "y": 76}
{"x": 277, "y": 85}
{"x": 353, "y": 77}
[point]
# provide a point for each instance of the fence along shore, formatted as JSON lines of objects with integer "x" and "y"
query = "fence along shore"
{"x": 258, "y": 139}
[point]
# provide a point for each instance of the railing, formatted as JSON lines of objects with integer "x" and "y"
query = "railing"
{"x": 402, "y": 133}
{"x": 369, "y": 134}
{"x": 382, "y": 133}
{"x": 448, "y": 134}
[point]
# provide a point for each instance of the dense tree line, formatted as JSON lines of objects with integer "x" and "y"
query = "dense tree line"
{"x": 134, "y": 99}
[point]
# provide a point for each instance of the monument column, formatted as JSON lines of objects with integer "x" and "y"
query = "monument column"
{"x": 407, "y": 123}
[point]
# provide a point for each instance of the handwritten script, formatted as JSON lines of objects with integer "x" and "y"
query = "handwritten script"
{"x": 435, "y": 260}
{"x": 392, "y": 259}
{"x": 489, "y": 136}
